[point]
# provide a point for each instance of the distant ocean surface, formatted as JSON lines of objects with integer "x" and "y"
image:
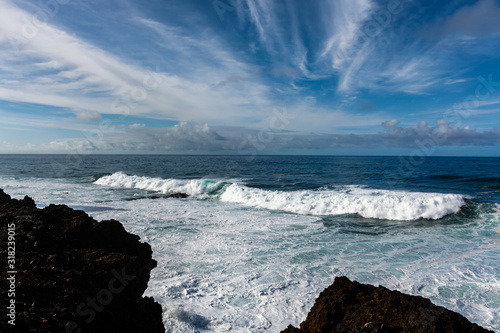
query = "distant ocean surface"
{"x": 259, "y": 238}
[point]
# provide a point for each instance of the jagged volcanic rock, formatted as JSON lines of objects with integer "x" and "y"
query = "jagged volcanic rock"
{"x": 74, "y": 274}
{"x": 350, "y": 307}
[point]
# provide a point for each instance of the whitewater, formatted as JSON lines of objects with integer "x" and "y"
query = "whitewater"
{"x": 369, "y": 203}
{"x": 251, "y": 247}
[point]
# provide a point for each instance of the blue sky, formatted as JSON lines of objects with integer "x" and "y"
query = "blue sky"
{"x": 396, "y": 77}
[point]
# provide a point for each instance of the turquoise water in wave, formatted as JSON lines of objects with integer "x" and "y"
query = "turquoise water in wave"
{"x": 258, "y": 239}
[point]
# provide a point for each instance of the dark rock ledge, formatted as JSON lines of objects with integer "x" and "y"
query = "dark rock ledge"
{"x": 73, "y": 274}
{"x": 351, "y": 307}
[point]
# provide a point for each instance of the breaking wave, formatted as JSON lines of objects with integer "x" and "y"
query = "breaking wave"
{"x": 368, "y": 203}
{"x": 194, "y": 187}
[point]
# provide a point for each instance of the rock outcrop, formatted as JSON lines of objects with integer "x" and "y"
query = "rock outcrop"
{"x": 351, "y": 307}
{"x": 72, "y": 273}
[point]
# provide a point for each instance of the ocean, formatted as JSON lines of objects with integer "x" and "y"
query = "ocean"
{"x": 260, "y": 237}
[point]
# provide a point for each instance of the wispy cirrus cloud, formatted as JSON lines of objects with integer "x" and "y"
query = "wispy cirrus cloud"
{"x": 279, "y": 30}
{"x": 208, "y": 83}
{"x": 431, "y": 59}
{"x": 79, "y": 75}
{"x": 344, "y": 22}
{"x": 355, "y": 42}
{"x": 340, "y": 68}
{"x": 284, "y": 30}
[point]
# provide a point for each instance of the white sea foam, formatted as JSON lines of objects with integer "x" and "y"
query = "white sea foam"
{"x": 369, "y": 203}
{"x": 188, "y": 186}
{"x": 225, "y": 268}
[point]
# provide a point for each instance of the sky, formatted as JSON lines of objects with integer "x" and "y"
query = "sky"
{"x": 249, "y": 77}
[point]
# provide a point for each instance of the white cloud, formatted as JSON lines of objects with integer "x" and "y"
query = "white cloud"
{"x": 454, "y": 81}
{"x": 344, "y": 20}
{"x": 411, "y": 74}
{"x": 204, "y": 78}
{"x": 136, "y": 125}
{"x": 83, "y": 77}
{"x": 201, "y": 138}
{"x": 477, "y": 20}
{"x": 88, "y": 116}
{"x": 279, "y": 32}
{"x": 388, "y": 61}
{"x": 284, "y": 35}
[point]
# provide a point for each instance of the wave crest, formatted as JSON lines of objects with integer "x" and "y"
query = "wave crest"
{"x": 194, "y": 187}
{"x": 368, "y": 203}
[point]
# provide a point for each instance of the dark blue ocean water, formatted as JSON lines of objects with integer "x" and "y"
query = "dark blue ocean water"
{"x": 478, "y": 177}
{"x": 259, "y": 237}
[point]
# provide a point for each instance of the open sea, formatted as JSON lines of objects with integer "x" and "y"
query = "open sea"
{"x": 259, "y": 238}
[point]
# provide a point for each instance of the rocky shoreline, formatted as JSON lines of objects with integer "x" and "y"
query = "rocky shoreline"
{"x": 71, "y": 273}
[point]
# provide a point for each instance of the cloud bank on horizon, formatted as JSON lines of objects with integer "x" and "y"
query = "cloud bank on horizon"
{"x": 250, "y": 77}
